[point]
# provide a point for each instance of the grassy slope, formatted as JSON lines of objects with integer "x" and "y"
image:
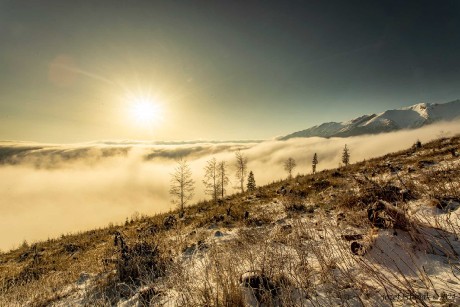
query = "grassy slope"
{"x": 292, "y": 238}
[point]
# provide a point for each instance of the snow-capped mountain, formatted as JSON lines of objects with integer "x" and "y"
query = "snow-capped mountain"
{"x": 405, "y": 118}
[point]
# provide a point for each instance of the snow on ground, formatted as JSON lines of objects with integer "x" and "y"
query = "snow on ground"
{"x": 324, "y": 255}
{"x": 421, "y": 262}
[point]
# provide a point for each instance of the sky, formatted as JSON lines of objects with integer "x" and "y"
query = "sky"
{"x": 76, "y": 71}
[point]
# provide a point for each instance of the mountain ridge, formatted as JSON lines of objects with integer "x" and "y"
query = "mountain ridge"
{"x": 410, "y": 117}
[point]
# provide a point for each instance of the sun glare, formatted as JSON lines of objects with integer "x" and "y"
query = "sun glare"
{"x": 145, "y": 112}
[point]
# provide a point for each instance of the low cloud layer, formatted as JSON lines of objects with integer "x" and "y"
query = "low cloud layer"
{"x": 47, "y": 190}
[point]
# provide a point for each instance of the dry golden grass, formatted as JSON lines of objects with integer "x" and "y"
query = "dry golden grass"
{"x": 287, "y": 237}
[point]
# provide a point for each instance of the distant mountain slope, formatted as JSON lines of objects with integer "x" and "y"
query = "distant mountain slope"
{"x": 405, "y": 118}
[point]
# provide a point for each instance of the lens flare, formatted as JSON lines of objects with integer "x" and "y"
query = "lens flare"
{"x": 145, "y": 111}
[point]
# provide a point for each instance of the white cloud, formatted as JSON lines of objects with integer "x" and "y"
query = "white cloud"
{"x": 47, "y": 190}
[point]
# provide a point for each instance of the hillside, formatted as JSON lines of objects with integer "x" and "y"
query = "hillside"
{"x": 379, "y": 232}
{"x": 411, "y": 117}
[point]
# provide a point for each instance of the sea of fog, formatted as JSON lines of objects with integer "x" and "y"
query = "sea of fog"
{"x": 47, "y": 190}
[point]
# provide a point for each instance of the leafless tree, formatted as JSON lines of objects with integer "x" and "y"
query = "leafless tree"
{"x": 182, "y": 185}
{"x": 222, "y": 177}
{"x": 211, "y": 179}
{"x": 241, "y": 166}
{"x": 289, "y": 165}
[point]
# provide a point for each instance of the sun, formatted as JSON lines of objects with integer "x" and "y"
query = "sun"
{"x": 145, "y": 111}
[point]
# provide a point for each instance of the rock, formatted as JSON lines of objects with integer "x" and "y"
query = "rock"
{"x": 202, "y": 245}
{"x": 189, "y": 250}
{"x": 357, "y": 248}
{"x": 384, "y": 215}
{"x": 218, "y": 218}
{"x": 263, "y": 289}
{"x": 286, "y": 229}
{"x": 395, "y": 169}
{"x": 169, "y": 222}
{"x": 83, "y": 278}
{"x": 71, "y": 248}
{"x": 218, "y": 234}
{"x": 447, "y": 204}
{"x": 425, "y": 163}
{"x": 340, "y": 216}
{"x": 282, "y": 190}
{"x": 336, "y": 174}
{"x": 281, "y": 221}
{"x": 378, "y": 218}
{"x": 297, "y": 207}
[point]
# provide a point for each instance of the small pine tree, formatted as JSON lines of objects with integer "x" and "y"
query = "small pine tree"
{"x": 251, "y": 182}
{"x": 346, "y": 156}
{"x": 314, "y": 163}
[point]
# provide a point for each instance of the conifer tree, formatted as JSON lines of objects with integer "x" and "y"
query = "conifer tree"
{"x": 346, "y": 156}
{"x": 314, "y": 163}
{"x": 251, "y": 182}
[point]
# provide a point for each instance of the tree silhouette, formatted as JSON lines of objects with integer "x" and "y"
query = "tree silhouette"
{"x": 241, "y": 166}
{"x": 182, "y": 185}
{"x": 222, "y": 177}
{"x": 314, "y": 163}
{"x": 289, "y": 165}
{"x": 251, "y": 182}
{"x": 211, "y": 179}
{"x": 346, "y": 156}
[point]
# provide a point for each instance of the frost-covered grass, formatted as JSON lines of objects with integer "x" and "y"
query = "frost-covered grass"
{"x": 310, "y": 241}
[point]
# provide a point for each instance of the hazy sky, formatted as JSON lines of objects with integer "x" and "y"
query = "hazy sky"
{"x": 74, "y": 71}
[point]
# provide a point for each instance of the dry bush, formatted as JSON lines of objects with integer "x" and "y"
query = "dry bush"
{"x": 131, "y": 267}
{"x": 442, "y": 184}
{"x": 293, "y": 204}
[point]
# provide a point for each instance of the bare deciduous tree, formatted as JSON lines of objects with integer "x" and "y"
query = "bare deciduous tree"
{"x": 222, "y": 177}
{"x": 289, "y": 165}
{"x": 241, "y": 166}
{"x": 211, "y": 179}
{"x": 182, "y": 185}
